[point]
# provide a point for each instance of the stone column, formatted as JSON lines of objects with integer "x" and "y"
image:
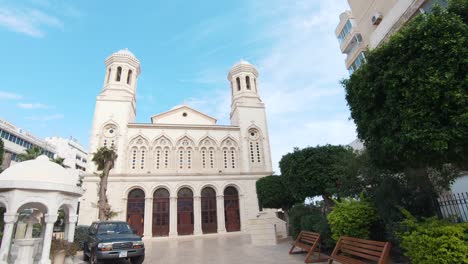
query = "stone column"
{"x": 49, "y": 220}
{"x": 242, "y": 212}
{"x": 197, "y": 228}
{"x": 10, "y": 220}
{"x": 124, "y": 207}
{"x": 220, "y": 214}
{"x": 70, "y": 228}
{"x": 173, "y": 217}
{"x": 148, "y": 222}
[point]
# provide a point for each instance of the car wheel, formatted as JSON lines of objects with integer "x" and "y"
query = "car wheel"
{"x": 85, "y": 252}
{"x": 93, "y": 257}
{"x": 137, "y": 260}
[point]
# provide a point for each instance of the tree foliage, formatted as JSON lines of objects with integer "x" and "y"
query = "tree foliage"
{"x": 104, "y": 159}
{"x": 352, "y": 218}
{"x": 273, "y": 193}
{"x": 30, "y": 154}
{"x": 321, "y": 171}
{"x": 410, "y": 100}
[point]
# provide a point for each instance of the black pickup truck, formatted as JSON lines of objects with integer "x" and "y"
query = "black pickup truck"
{"x": 113, "y": 240}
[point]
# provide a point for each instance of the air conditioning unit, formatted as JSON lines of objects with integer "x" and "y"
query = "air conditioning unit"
{"x": 376, "y": 18}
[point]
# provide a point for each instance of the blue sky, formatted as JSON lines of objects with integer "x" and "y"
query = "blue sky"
{"x": 52, "y": 62}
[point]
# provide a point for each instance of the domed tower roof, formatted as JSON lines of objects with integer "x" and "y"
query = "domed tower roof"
{"x": 242, "y": 66}
{"x": 124, "y": 55}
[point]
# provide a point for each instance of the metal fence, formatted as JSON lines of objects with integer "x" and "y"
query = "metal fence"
{"x": 453, "y": 206}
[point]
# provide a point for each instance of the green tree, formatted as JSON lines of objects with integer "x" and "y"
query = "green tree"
{"x": 273, "y": 193}
{"x": 104, "y": 159}
{"x": 410, "y": 100}
{"x": 60, "y": 161}
{"x": 324, "y": 171}
{"x": 459, "y": 7}
{"x": 30, "y": 154}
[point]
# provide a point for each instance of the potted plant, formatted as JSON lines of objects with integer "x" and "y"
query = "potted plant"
{"x": 60, "y": 249}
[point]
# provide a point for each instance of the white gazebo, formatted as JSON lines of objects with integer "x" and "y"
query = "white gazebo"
{"x": 32, "y": 192}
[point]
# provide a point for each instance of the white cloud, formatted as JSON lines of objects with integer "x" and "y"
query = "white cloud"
{"x": 32, "y": 106}
{"x": 9, "y": 96}
{"x": 46, "y": 117}
{"x": 29, "y": 21}
{"x": 299, "y": 75}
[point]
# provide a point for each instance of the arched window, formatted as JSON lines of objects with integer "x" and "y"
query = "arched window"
{"x": 138, "y": 151}
{"x": 247, "y": 81}
{"x": 255, "y": 147}
{"x": 108, "y": 75}
{"x": 129, "y": 76}
{"x": 185, "y": 153}
{"x": 162, "y": 153}
{"x": 119, "y": 74}
{"x": 229, "y": 154}
{"x": 238, "y": 84}
{"x": 203, "y": 158}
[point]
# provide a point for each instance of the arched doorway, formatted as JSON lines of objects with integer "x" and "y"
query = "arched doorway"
{"x": 136, "y": 210}
{"x": 208, "y": 207}
{"x": 161, "y": 212}
{"x": 231, "y": 209}
{"x": 185, "y": 212}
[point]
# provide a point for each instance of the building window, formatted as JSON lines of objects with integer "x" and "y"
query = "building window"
{"x": 360, "y": 59}
{"x": 119, "y": 74}
{"x": 255, "y": 146}
{"x": 247, "y": 81}
{"x": 203, "y": 158}
{"x": 134, "y": 157}
{"x": 225, "y": 158}
{"x": 211, "y": 158}
{"x": 345, "y": 31}
{"x": 158, "y": 158}
{"x": 238, "y": 84}
{"x": 181, "y": 158}
{"x": 166, "y": 158}
{"x": 129, "y": 77}
{"x": 142, "y": 162}
{"x": 233, "y": 158}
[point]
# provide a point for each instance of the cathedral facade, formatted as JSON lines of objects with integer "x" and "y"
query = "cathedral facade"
{"x": 180, "y": 174}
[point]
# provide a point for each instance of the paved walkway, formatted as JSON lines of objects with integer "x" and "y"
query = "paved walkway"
{"x": 215, "y": 249}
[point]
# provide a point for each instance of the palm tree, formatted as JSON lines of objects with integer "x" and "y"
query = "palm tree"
{"x": 60, "y": 161}
{"x": 30, "y": 154}
{"x": 104, "y": 159}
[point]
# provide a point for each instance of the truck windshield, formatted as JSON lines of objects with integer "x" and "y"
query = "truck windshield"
{"x": 114, "y": 228}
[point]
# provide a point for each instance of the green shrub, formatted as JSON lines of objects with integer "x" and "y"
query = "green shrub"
{"x": 434, "y": 241}
{"x": 353, "y": 218}
{"x": 295, "y": 215}
{"x": 315, "y": 221}
{"x": 81, "y": 232}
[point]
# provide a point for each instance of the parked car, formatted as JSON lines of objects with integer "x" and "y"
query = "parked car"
{"x": 113, "y": 240}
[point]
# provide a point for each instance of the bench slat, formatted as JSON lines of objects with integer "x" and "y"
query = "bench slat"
{"x": 359, "y": 254}
{"x": 364, "y": 241}
{"x": 346, "y": 260}
{"x": 367, "y": 246}
{"x": 362, "y": 250}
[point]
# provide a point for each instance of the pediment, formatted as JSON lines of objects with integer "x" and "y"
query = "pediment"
{"x": 183, "y": 115}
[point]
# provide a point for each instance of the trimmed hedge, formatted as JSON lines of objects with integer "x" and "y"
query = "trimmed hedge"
{"x": 81, "y": 232}
{"x": 435, "y": 241}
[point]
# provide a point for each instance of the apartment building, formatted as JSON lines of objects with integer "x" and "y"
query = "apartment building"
{"x": 369, "y": 23}
{"x": 17, "y": 140}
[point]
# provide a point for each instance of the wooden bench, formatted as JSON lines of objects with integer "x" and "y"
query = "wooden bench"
{"x": 310, "y": 242}
{"x": 350, "y": 250}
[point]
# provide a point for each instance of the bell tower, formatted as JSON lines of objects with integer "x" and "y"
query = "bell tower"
{"x": 248, "y": 112}
{"x": 115, "y": 105}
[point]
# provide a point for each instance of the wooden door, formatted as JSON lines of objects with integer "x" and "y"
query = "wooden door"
{"x": 185, "y": 212}
{"x": 161, "y": 213}
{"x": 209, "y": 217}
{"x": 136, "y": 210}
{"x": 231, "y": 209}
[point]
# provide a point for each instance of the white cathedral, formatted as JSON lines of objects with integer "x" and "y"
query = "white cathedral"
{"x": 180, "y": 174}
